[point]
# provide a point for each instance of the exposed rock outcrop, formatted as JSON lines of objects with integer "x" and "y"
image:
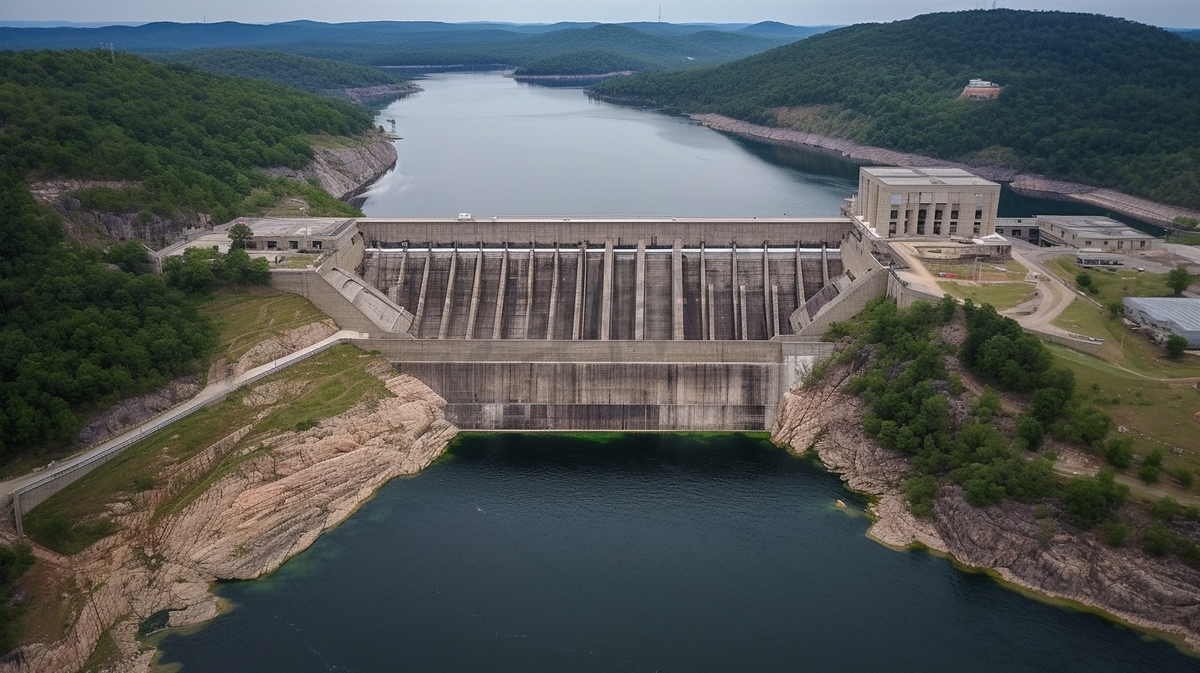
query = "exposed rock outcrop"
{"x": 287, "y": 490}
{"x": 346, "y": 171}
{"x": 365, "y": 94}
{"x": 95, "y": 227}
{"x": 1046, "y": 555}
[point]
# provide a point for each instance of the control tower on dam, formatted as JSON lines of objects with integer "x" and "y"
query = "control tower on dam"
{"x": 597, "y": 323}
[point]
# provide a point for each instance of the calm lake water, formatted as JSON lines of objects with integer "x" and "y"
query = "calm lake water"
{"x": 643, "y": 553}
{"x": 484, "y": 144}
{"x": 646, "y": 552}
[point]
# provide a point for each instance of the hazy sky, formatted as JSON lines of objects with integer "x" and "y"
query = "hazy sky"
{"x": 1171, "y": 13}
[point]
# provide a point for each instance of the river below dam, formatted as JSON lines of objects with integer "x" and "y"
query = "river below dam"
{"x": 636, "y": 553}
{"x": 639, "y": 552}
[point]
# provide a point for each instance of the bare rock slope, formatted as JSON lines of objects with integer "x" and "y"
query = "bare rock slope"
{"x": 287, "y": 490}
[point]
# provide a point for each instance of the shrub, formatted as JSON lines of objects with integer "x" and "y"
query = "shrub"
{"x": 1156, "y": 539}
{"x": 1118, "y": 451}
{"x": 1166, "y": 509}
{"x": 1184, "y": 476}
{"x": 1089, "y": 499}
{"x": 1084, "y": 280}
{"x": 1176, "y": 345}
{"x": 919, "y": 492}
{"x": 1029, "y": 432}
{"x": 1148, "y": 474}
{"x": 1114, "y": 533}
{"x": 1154, "y": 458}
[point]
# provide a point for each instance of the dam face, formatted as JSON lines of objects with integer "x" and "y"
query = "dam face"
{"x": 596, "y": 324}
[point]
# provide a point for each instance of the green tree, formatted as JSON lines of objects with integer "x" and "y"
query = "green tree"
{"x": 1176, "y": 345}
{"x": 239, "y": 234}
{"x": 1178, "y": 279}
{"x": 1084, "y": 280}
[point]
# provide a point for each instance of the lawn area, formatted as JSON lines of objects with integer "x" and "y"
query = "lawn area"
{"x": 987, "y": 271}
{"x": 1157, "y": 414}
{"x": 1123, "y": 346}
{"x": 1184, "y": 239}
{"x": 327, "y": 384}
{"x": 1112, "y": 285}
{"x": 247, "y": 318}
{"x": 1002, "y": 296}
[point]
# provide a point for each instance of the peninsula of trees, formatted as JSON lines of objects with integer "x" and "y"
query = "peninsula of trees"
{"x": 1085, "y": 98}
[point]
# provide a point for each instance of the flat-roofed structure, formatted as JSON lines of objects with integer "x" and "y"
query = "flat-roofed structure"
{"x": 908, "y": 202}
{"x": 274, "y": 235}
{"x": 1174, "y": 315}
{"x": 981, "y": 89}
{"x": 1092, "y": 232}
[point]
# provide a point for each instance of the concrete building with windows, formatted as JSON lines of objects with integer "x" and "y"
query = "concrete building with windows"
{"x": 1091, "y": 232}
{"x": 1167, "y": 315}
{"x": 908, "y": 202}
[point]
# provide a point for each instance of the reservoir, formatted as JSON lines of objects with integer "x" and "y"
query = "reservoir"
{"x": 638, "y": 552}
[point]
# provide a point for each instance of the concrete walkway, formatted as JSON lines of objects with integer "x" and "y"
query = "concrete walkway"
{"x": 211, "y": 394}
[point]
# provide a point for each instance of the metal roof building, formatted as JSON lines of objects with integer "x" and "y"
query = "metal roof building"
{"x": 1177, "y": 315}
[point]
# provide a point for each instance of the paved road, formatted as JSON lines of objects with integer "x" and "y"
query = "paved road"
{"x": 209, "y": 394}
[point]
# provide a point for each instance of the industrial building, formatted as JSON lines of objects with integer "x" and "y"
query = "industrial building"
{"x": 1173, "y": 315}
{"x": 1091, "y": 232}
{"x": 904, "y": 202}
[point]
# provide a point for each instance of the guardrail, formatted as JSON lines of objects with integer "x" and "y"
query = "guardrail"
{"x": 31, "y": 495}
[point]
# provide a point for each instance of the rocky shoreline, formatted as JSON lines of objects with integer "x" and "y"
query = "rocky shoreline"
{"x": 291, "y": 487}
{"x": 1022, "y": 183}
{"x": 1046, "y": 556}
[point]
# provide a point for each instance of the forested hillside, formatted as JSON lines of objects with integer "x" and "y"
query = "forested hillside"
{"x": 186, "y": 140}
{"x": 313, "y": 75}
{"x": 75, "y": 332}
{"x": 1086, "y": 98}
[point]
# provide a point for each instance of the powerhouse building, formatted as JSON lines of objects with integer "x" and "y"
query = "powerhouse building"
{"x": 910, "y": 202}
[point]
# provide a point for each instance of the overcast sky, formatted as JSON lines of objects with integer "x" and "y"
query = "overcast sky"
{"x": 1169, "y": 13}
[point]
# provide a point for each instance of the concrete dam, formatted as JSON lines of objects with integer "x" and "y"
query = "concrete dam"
{"x": 597, "y": 323}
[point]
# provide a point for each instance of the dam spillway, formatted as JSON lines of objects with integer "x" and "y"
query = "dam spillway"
{"x": 602, "y": 292}
{"x": 596, "y": 323}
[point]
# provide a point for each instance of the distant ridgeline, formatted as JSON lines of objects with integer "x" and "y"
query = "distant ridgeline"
{"x": 588, "y": 47}
{"x": 1086, "y": 98}
{"x": 313, "y": 75}
{"x": 185, "y": 140}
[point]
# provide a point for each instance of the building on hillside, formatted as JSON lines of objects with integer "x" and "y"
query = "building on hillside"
{"x": 907, "y": 202}
{"x": 980, "y": 89}
{"x": 1092, "y": 232}
{"x": 273, "y": 235}
{"x": 1167, "y": 315}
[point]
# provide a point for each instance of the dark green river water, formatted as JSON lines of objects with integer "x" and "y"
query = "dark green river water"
{"x": 642, "y": 553}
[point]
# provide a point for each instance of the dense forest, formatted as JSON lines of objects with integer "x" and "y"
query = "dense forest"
{"x": 192, "y": 141}
{"x": 1087, "y": 98}
{"x": 75, "y": 331}
{"x": 313, "y": 75}
{"x": 431, "y": 43}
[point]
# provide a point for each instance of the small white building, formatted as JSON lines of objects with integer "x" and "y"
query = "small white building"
{"x": 1174, "y": 315}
